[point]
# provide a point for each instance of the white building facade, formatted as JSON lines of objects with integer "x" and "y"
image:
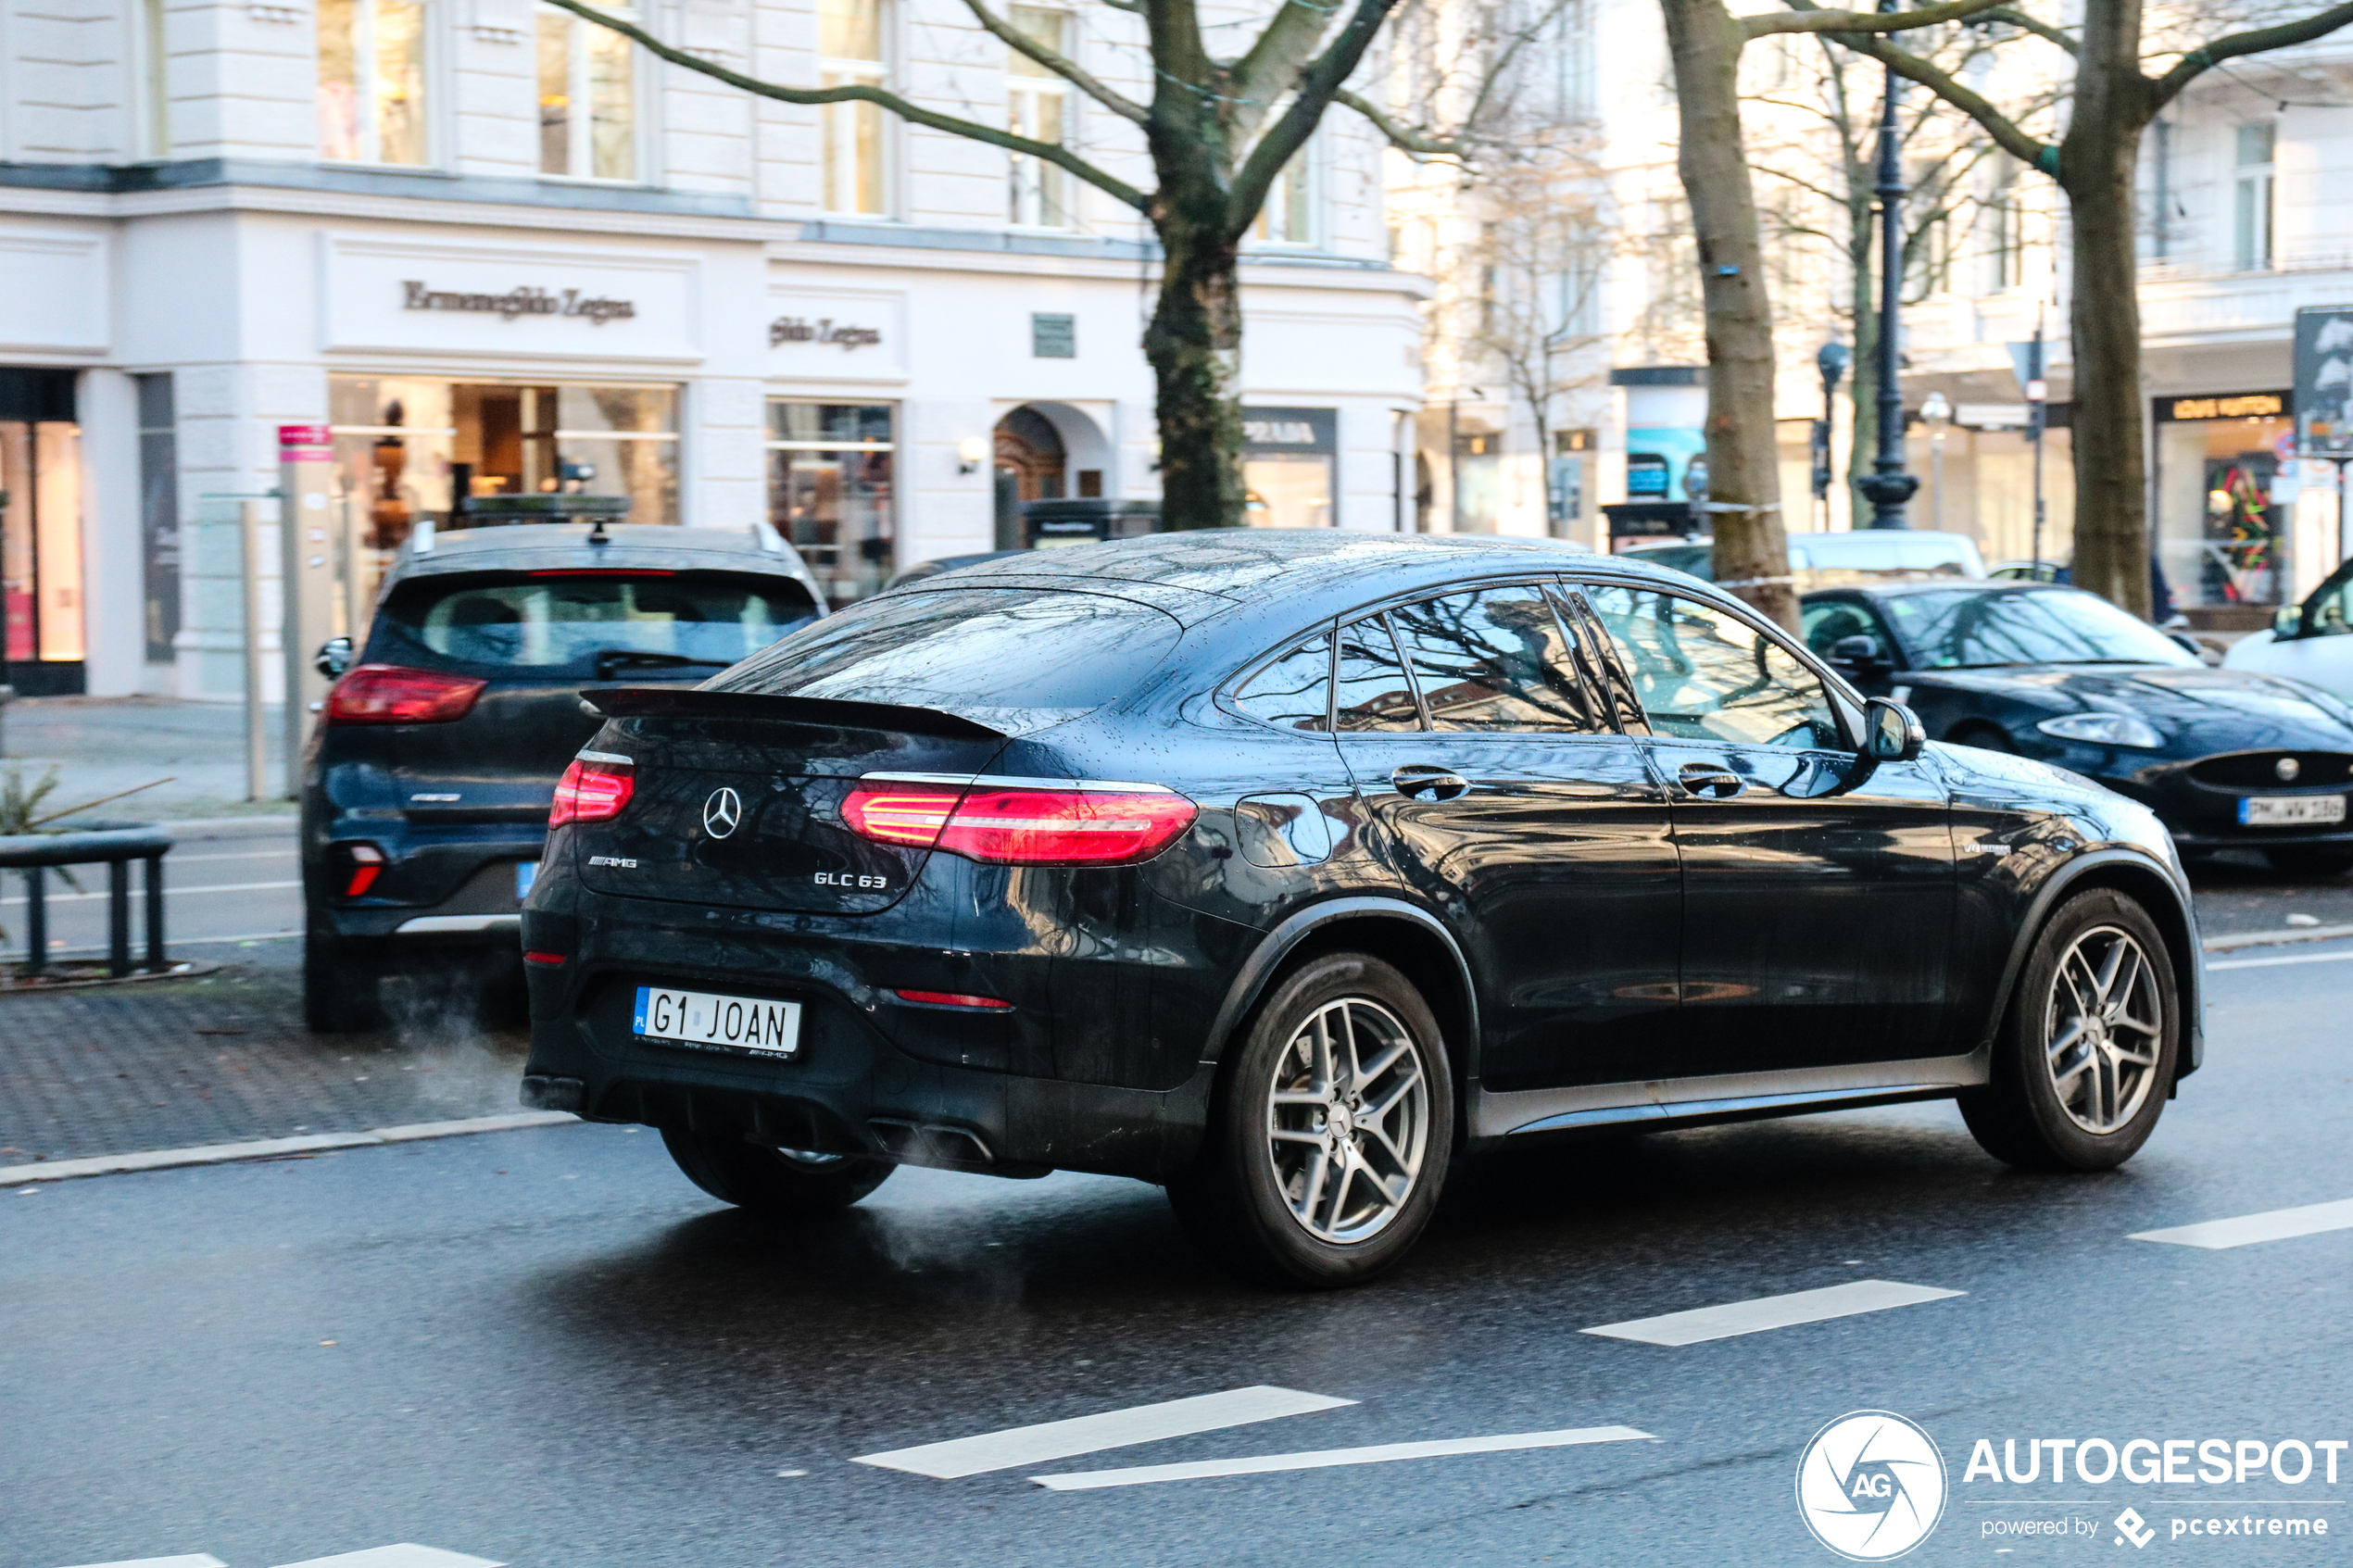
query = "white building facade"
{"x": 496, "y": 253}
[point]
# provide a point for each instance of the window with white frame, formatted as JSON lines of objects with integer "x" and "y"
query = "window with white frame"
{"x": 849, "y": 48}
{"x": 1288, "y": 215}
{"x": 2005, "y": 236}
{"x": 2251, "y": 226}
{"x": 587, "y": 98}
{"x": 1037, "y": 107}
{"x": 371, "y": 81}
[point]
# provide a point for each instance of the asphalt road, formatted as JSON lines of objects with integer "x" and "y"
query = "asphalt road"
{"x": 545, "y": 1347}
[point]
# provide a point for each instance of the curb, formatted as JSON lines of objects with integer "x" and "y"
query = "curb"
{"x": 270, "y": 1148}
{"x": 2233, "y": 943}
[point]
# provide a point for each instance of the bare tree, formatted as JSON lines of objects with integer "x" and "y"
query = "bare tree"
{"x": 2114, "y": 96}
{"x": 1704, "y": 41}
{"x": 1219, "y": 129}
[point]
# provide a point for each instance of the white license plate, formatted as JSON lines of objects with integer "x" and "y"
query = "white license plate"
{"x": 2275, "y": 810}
{"x": 700, "y": 1018}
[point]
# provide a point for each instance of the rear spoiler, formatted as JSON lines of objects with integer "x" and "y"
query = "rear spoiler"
{"x": 675, "y": 702}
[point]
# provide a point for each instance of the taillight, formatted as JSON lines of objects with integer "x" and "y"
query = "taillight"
{"x": 363, "y": 863}
{"x": 955, "y": 999}
{"x": 592, "y": 792}
{"x": 1023, "y": 825}
{"x": 388, "y": 693}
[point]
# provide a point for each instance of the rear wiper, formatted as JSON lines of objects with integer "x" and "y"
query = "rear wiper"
{"x": 610, "y": 661}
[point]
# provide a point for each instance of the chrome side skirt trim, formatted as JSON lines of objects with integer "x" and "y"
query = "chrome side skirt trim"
{"x": 430, "y": 926}
{"x": 1505, "y": 1113}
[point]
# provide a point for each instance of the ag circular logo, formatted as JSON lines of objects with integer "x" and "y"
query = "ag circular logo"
{"x": 1870, "y": 1486}
{"x": 722, "y": 812}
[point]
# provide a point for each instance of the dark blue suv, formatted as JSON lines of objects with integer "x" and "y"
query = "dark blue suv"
{"x": 428, "y": 780}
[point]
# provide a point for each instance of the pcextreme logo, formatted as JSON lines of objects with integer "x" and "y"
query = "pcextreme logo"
{"x": 1870, "y": 1486}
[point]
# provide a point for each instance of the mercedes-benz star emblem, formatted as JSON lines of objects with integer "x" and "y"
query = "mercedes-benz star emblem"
{"x": 722, "y": 812}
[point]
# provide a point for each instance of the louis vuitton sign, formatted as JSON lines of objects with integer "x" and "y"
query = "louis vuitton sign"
{"x": 597, "y": 309}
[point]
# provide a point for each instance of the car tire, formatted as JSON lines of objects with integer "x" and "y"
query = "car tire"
{"x": 2086, "y": 1055}
{"x": 780, "y": 1183}
{"x": 342, "y": 994}
{"x": 1260, "y": 1197}
{"x": 2310, "y": 860}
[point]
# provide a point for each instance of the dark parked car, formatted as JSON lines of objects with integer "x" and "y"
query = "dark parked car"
{"x": 2228, "y": 758}
{"x": 428, "y": 778}
{"x": 1280, "y": 868}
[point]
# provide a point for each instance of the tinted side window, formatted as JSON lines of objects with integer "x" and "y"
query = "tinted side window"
{"x": 1494, "y": 659}
{"x": 1293, "y": 692}
{"x": 1371, "y": 691}
{"x": 1702, "y": 673}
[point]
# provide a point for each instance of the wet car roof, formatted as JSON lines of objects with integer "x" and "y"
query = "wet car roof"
{"x": 552, "y": 547}
{"x": 1195, "y": 575}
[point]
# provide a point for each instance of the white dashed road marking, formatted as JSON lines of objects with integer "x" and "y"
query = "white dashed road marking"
{"x": 402, "y": 1556}
{"x": 2273, "y": 964}
{"x": 2277, "y": 1225}
{"x": 1773, "y": 1312}
{"x": 1090, "y": 1434}
{"x": 266, "y": 1148}
{"x": 1381, "y": 1453}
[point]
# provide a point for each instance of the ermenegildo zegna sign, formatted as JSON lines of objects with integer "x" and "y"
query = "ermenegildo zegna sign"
{"x": 526, "y": 301}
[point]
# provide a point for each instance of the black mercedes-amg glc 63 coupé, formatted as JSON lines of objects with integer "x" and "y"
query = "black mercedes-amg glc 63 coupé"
{"x": 1285, "y": 868}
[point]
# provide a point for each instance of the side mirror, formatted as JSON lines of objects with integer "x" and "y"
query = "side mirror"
{"x": 1857, "y": 651}
{"x": 335, "y": 657}
{"x": 1892, "y": 731}
{"x": 2287, "y": 621}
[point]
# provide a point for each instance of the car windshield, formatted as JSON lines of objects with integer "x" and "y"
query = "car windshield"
{"x": 1968, "y": 628}
{"x": 589, "y": 626}
{"x": 977, "y": 652}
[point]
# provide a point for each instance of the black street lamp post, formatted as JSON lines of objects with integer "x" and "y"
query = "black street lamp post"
{"x": 1887, "y": 486}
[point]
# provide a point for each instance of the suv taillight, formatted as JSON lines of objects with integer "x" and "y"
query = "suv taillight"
{"x": 592, "y": 792}
{"x": 389, "y": 694}
{"x": 1021, "y": 825}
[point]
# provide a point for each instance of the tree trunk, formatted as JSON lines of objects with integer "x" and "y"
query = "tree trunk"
{"x": 1744, "y": 457}
{"x": 1195, "y": 347}
{"x": 2096, "y": 164}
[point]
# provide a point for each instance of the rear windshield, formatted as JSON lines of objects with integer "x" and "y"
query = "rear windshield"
{"x": 598, "y": 626}
{"x": 978, "y": 652}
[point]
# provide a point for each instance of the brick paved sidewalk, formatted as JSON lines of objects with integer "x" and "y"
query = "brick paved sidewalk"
{"x": 224, "y": 1058}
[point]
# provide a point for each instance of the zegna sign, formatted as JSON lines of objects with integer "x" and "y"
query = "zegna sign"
{"x": 800, "y": 329}
{"x": 525, "y": 301}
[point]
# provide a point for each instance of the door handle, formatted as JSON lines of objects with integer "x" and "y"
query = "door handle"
{"x": 1420, "y": 778}
{"x": 1709, "y": 781}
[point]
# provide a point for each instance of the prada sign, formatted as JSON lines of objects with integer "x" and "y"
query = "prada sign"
{"x": 800, "y": 329}
{"x": 526, "y": 301}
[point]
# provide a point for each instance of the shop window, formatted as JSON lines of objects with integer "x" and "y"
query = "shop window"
{"x": 41, "y": 610}
{"x": 1288, "y": 215}
{"x": 830, "y": 491}
{"x": 849, "y": 43}
{"x": 408, "y": 449}
{"x": 2252, "y": 227}
{"x": 371, "y": 81}
{"x": 159, "y": 512}
{"x": 1289, "y": 461}
{"x": 587, "y": 98}
{"x": 1037, "y": 107}
{"x": 2220, "y": 533}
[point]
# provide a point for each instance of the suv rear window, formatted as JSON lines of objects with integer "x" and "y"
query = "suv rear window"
{"x": 612, "y": 624}
{"x": 964, "y": 650}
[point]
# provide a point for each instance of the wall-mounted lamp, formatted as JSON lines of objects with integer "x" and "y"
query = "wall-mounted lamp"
{"x": 971, "y": 452}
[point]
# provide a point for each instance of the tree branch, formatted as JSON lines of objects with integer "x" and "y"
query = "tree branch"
{"x": 1274, "y": 60}
{"x": 2197, "y": 62}
{"x": 2040, "y": 28}
{"x": 1813, "y": 18}
{"x": 1399, "y": 136}
{"x": 1319, "y": 83}
{"x": 2016, "y": 143}
{"x": 1051, "y": 152}
{"x": 1021, "y": 43}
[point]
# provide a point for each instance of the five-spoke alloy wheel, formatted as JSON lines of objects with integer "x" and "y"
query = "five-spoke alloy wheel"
{"x": 2086, "y": 1055}
{"x": 1332, "y": 1129}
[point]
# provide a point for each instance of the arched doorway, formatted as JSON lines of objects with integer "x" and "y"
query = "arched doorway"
{"x": 1031, "y": 466}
